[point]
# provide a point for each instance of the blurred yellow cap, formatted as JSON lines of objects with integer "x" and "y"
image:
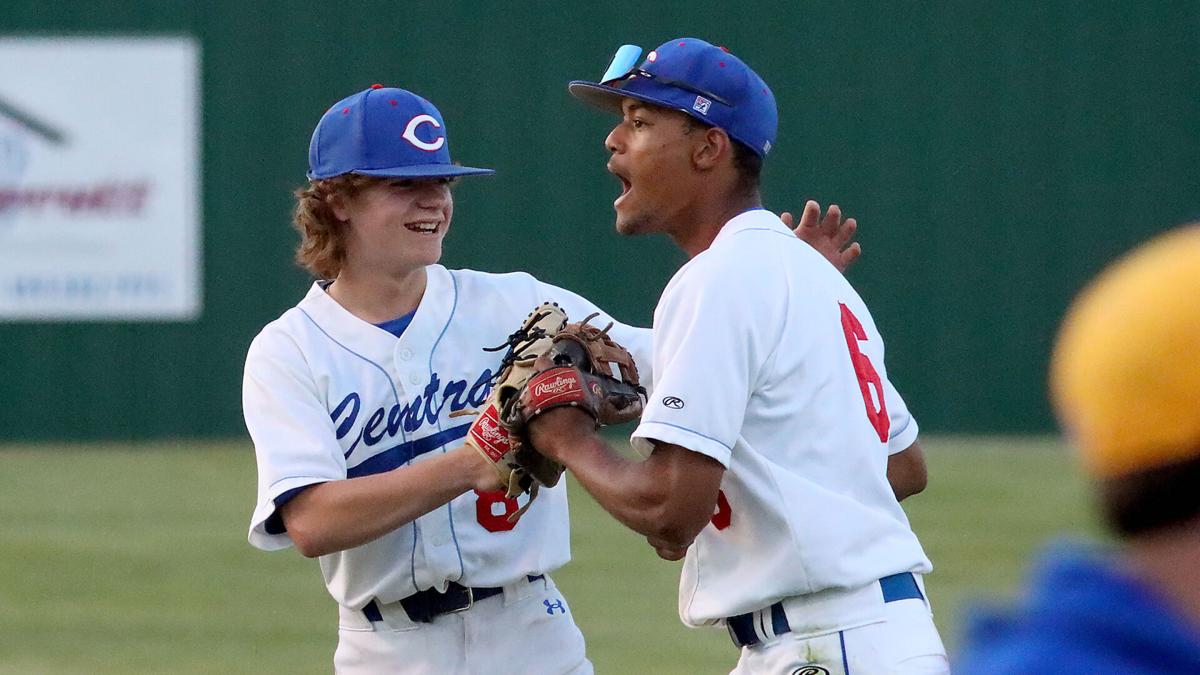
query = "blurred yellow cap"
{"x": 1125, "y": 375}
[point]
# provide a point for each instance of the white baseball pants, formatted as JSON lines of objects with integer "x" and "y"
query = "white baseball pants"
{"x": 905, "y": 643}
{"x": 528, "y": 630}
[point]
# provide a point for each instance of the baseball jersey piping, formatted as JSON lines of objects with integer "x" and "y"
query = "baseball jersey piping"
{"x": 902, "y": 429}
{"x": 285, "y": 479}
{"x": 396, "y": 398}
{"x": 449, "y": 511}
{"x": 395, "y": 394}
{"x": 766, "y": 229}
{"x": 845, "y": 661}
{"x": 692, "y": 431}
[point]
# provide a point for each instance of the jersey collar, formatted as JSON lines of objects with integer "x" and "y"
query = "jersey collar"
{"x": 753, "y": 219}
{"x": 362, "y": 336}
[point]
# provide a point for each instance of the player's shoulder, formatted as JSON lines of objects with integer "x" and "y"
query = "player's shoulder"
{"x": 283, "y": 334}
{"x": 499, "y": 293}
{"x": 761, "y": 248}
{"x": 278, "y": 336}
{"x": 751, "y": 250}
{"x": 485, "y": 288}
{"x": 477, "y": 281}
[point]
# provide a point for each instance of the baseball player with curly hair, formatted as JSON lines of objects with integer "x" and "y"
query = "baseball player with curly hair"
{"x": 355, "y": 400}
{"x": 772, "y": 419}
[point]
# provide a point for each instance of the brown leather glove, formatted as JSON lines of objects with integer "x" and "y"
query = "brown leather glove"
{"x": 583, "y": 368}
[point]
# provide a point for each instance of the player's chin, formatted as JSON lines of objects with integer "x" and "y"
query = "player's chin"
{"x": 427, "y": 252}
{"x": 633, "y": 224}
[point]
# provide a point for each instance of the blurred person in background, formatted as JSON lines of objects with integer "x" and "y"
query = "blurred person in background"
{"x": 1125, "y": 380}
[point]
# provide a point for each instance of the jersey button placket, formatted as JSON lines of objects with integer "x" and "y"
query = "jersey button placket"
{"x": 404, "y": 357}
{"x": 440, "y": 553}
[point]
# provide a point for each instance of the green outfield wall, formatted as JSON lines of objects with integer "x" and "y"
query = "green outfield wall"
{"x": 995, "y": 154}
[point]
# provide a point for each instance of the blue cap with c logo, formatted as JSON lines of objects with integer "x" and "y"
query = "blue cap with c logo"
{"x": 383, "y": 131}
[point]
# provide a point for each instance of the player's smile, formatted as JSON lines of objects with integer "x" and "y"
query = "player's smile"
{"x": 399, "y": 223}
{"x": 424, "y": 226}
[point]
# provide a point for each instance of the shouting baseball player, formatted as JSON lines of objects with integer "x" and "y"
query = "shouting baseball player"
{"x": 355, "y": 401}
{"x": 771, "y": 421}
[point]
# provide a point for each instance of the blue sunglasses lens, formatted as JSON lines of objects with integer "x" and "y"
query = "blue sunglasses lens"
{"x": 622, "y": 62}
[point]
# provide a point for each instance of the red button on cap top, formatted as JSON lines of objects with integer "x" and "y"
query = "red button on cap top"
{"x": 377, "y": 86}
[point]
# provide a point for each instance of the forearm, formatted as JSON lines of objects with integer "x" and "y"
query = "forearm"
{"x": 343, "y": 514}
{"x": 622, "y": 487}
{"x": 668, "y": 498}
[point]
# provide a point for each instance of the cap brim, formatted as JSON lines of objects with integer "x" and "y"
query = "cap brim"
{"x": 419, "y": 171}
{"x": 608, "y": 98}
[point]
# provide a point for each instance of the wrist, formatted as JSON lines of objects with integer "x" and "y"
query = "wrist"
{"x": 475, "y": 472}
{"x": 556, "y": 431}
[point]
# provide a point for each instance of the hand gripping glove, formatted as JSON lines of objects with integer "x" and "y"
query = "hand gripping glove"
{"x": 583, "y": 368}
{"x": 487, "y": 435}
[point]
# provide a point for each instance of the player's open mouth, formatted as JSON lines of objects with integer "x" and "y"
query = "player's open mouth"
{"x": 424, "y": 227}
{"x": 625, "y": 184}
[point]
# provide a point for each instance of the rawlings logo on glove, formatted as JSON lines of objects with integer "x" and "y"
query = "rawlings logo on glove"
{"x": 578, "y": 370}
{"x": 544, "y": 390}
{"x": 488, "y": 436}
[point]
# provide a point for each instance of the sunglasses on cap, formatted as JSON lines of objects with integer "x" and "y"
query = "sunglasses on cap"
{"x": 624, "y": 67}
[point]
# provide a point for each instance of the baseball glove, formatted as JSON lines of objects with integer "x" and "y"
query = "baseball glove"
{"x": 487, "y": 435}
{"x": 583, "y": 368}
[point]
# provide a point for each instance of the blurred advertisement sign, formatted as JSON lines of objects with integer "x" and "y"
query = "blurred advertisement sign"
{"x": 99, "y": 187}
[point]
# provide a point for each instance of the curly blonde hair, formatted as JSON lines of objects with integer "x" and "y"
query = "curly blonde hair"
{"x": 322, "y": 249}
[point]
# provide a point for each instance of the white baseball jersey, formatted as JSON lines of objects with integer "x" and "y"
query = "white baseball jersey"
{"x": 766, "y": 360}
{"x": 328, "y": 396}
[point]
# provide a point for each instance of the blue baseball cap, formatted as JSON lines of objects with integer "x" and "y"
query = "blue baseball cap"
{"x": 693, "y": 77}
{"x": 383, "y": 131}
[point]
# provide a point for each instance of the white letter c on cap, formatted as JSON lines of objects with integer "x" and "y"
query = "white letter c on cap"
{"x": 410, "y": 133}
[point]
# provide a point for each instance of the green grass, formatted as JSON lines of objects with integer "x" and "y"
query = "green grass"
{"x": 120, "y": 559}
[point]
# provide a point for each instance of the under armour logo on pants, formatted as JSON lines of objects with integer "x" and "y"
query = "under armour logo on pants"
{"x": 551, "y": 606}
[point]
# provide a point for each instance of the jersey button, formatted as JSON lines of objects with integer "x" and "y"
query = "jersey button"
{"x": 414, "y": 378}
{"x": 406, "y": 354}
{"x": 440, "y": 539}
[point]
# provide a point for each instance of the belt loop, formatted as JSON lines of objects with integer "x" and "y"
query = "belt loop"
{"x": 902, "y": 586}
{"x": 371, "y": 611}
{"x": 521, "y": 589}
{"x": 741, "y": 630}
{"x": 779, "y": 622}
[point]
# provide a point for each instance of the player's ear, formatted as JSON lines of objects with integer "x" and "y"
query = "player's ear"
{"x": 338, "y": 205}
{"x": 711, "y": 148}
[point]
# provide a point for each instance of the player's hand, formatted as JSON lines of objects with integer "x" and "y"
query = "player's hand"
{"x": 551, "y": 430}
{"x": 482, "y": 475}
{"x": 667, "y": 551}
{"x": 829, "y": 235}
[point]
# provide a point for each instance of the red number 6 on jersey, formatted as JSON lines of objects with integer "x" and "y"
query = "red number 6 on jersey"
{"x": 868, "y": 378}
